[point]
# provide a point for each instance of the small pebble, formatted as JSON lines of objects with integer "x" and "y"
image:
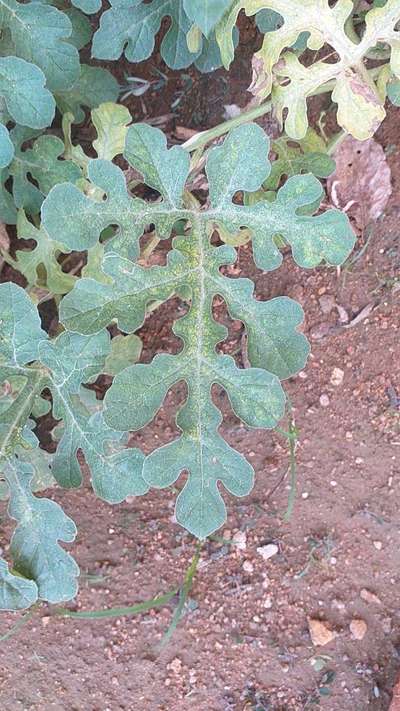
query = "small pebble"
{"x": 320, "y": 634}
{"x": 369, "y": 596}
{"x": 378, "y": 545}
{"x": 358, "y": 628}
{"x": 248, "y": 566}
{"x": 268, "y": 551}
{"x": 337, "y": 377}
{"x": 320, "y": 331}
{"x": 327, "y": 303}
{"x": 324, "y": 400}
{"x": 240, "y": 540}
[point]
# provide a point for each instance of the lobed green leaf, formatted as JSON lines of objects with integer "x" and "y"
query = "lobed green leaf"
{"x": 276, "y": 349}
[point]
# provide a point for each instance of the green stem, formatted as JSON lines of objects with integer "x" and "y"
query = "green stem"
{"x": 159, "y": 601}
{"x": 292, "y": 437}
{"x": 20, "y": 623}
{"x": 204, "y": 137}
{"x": 183, "y": 594}
{"x": 335, "y": 141}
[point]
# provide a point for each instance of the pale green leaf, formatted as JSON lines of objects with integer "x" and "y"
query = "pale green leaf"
{"x": 125, "y": 350}
{"x": 43, "y": 162}
{"x": 393, "y": 91}
{"x": 131, "y": 27}
{"x": 66, "y": 363}
{"x": 162, "y": 169}
{"x": 81, "y": 28}
{"x": 111, "y": 123}
{"x": 79, "y": 221}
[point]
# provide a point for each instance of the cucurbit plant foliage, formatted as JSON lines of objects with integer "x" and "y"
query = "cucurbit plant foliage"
{"x": 205, "y": 33}
{"x": 40, "y": 70}
{"x": 31, "y": 362}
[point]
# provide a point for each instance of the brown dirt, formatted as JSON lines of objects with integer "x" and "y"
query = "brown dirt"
{"x": 245, "y": 642}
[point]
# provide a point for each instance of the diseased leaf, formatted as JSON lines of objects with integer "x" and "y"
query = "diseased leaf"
{"x": 276, "y": 349}
{"x": 111, "y": 123}
{"x": 360, "y": 106}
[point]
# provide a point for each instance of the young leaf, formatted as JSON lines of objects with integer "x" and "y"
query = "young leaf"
{"x": 111, "y": 123}
{"x": 276, "y": 349}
